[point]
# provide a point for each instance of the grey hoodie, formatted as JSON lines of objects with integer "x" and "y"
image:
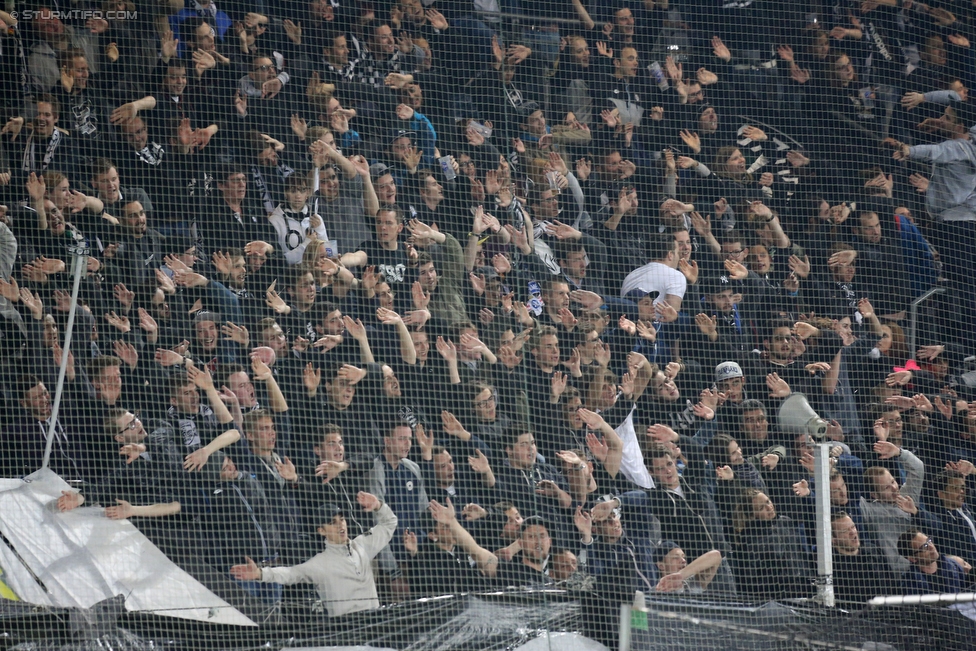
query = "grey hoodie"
{"x": 884, "y": 523}
{"x": 951, "y": 196}
{"x": 342, "y": 574}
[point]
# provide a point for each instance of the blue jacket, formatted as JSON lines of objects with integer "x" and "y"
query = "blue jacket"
{"x": 949, "y": 579}
{"x": 953, "y": 534}
{"x": 917, "y": 254}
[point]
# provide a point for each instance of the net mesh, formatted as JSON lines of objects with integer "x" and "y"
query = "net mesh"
{"x": 437, "y": 324}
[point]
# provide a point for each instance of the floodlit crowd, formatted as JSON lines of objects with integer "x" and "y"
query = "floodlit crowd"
{"x": 379, "y": 300}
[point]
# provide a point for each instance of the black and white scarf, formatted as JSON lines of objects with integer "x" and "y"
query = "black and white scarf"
{"x": 151, "y": 154}
{"x": 29, "y": 152}
{"x": 205, "y": 12}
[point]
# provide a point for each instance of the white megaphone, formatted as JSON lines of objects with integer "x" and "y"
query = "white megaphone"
{"x": 796, "y": 417}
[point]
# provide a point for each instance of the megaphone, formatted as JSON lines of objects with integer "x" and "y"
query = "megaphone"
{"x": 796, "y": 417}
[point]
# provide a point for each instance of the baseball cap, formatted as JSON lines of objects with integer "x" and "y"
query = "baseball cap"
{"x": 638, "y": 294}
{"x": 377, "y": 170}
{"x": 727, "y": 371}
{"x": 203, "y": 316}
{"x": 662, "y": 550}
{"x": 488, "y": 272}
{"x": 715, "y": 284}
{"x": 330, "y": 512}
{"x": 535, "y": 520}
{"x": 402, "y": 133}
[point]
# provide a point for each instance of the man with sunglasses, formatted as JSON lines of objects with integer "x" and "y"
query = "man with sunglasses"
{"x": 931, "y": 572}
{"x": 143, "y": 472}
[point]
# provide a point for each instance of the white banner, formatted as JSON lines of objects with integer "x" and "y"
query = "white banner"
{"x": 81, "y": 558}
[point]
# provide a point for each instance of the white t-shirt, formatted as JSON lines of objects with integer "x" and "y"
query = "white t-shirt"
{"x": 658, "y": 277}
{"x": 632, "y": 464}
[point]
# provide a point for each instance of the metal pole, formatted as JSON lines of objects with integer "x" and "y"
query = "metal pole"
{"x": 489, "y": 16}
{"x": 79, "y": 264}
{"x": 825, "y": 559}
{"x": 623, "y": 634}
{"x": 913, "y": 317}
{"x": 914, "y": 600}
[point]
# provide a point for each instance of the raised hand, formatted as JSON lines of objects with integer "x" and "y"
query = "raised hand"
{"x": 647, "y": 331}
{"x": 473, "y": 512}
{"x": 249, "y": 571}
{"x": 421, "y": 298}
{"x": 501, "y": 264}
{"x": 721, "y": 51}
{"x": 121, "y": 323}
{"x": 11, "y": 291}
{"x": 311, "y": 378}
{"x": 479, "y": 463}
{"x": 126, "y": 352}
{"x": 818, "y": 367}
{"x": 286, "y": 469}
{"x": 562, "y": 231}
{"x": 260, "y": 371}
{"x": 778, "y": 387}
{"x": 557, "y": 385}
{"x": 567, "y": 318}
{"x": 919, "y": 182}
{"x": 665, "y": 312}
{"x": 584, "y": 523}
{"x": 945, "y": 408}
{"x": 801, "y": 488}
{"x": 706, "y": 77}
{"x": 627, "y": 325}
{"x": 351, "y": 374}
{"x": 929, "y": 353}
{"x": 121, "y": 511}
{"x": 703, "y": 411}
{"x": 963, "y": 467}
{"x": 274, "y": 301}
{"x": 754, "y": 133}
{"x": 234, "y": 332}
{"x": 443, "y": 513}
{"x": 662, "y": 433}
{"x": 737, "y": 271}
{"x": 196, "y": 460}
{"x": 573, "y": 363}
{"x": 886, "y": 449}
{"x": 446, "y": 349}
{"x": 906, "y": 504}
{"x": 326, "y": 343}
{"x": 452, "y": 426}
{"x": 899, "y": 378}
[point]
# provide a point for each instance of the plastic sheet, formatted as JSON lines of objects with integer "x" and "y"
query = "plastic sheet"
{"x": 679, "y": 625}
{"x": 82, "y": 558}
{"x": 498, "y": 622}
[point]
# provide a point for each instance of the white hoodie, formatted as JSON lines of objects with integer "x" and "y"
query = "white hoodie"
{"x": 292, "y": 227}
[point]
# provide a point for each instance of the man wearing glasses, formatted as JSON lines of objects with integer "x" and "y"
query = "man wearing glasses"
{"x": 931, "y": 572}
{"x": 145, "y": 474}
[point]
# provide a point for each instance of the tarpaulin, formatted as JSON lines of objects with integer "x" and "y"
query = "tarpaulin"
{"x": 81, "y": 558}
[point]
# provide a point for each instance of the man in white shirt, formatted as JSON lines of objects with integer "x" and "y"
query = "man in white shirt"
{"x": 661, "y": 275}
{"x": 341, "y": 573}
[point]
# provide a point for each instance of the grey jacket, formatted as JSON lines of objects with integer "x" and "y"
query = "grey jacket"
{"x": 342, "y": 574}
{"x": 42, "y": 63}
{"x": 885, "y": 522}
{"x": 8, "y": 254}
{"x": 951, "y": 195}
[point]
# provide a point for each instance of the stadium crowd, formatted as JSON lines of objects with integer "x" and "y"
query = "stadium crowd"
{"x": 397, "y": 299}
